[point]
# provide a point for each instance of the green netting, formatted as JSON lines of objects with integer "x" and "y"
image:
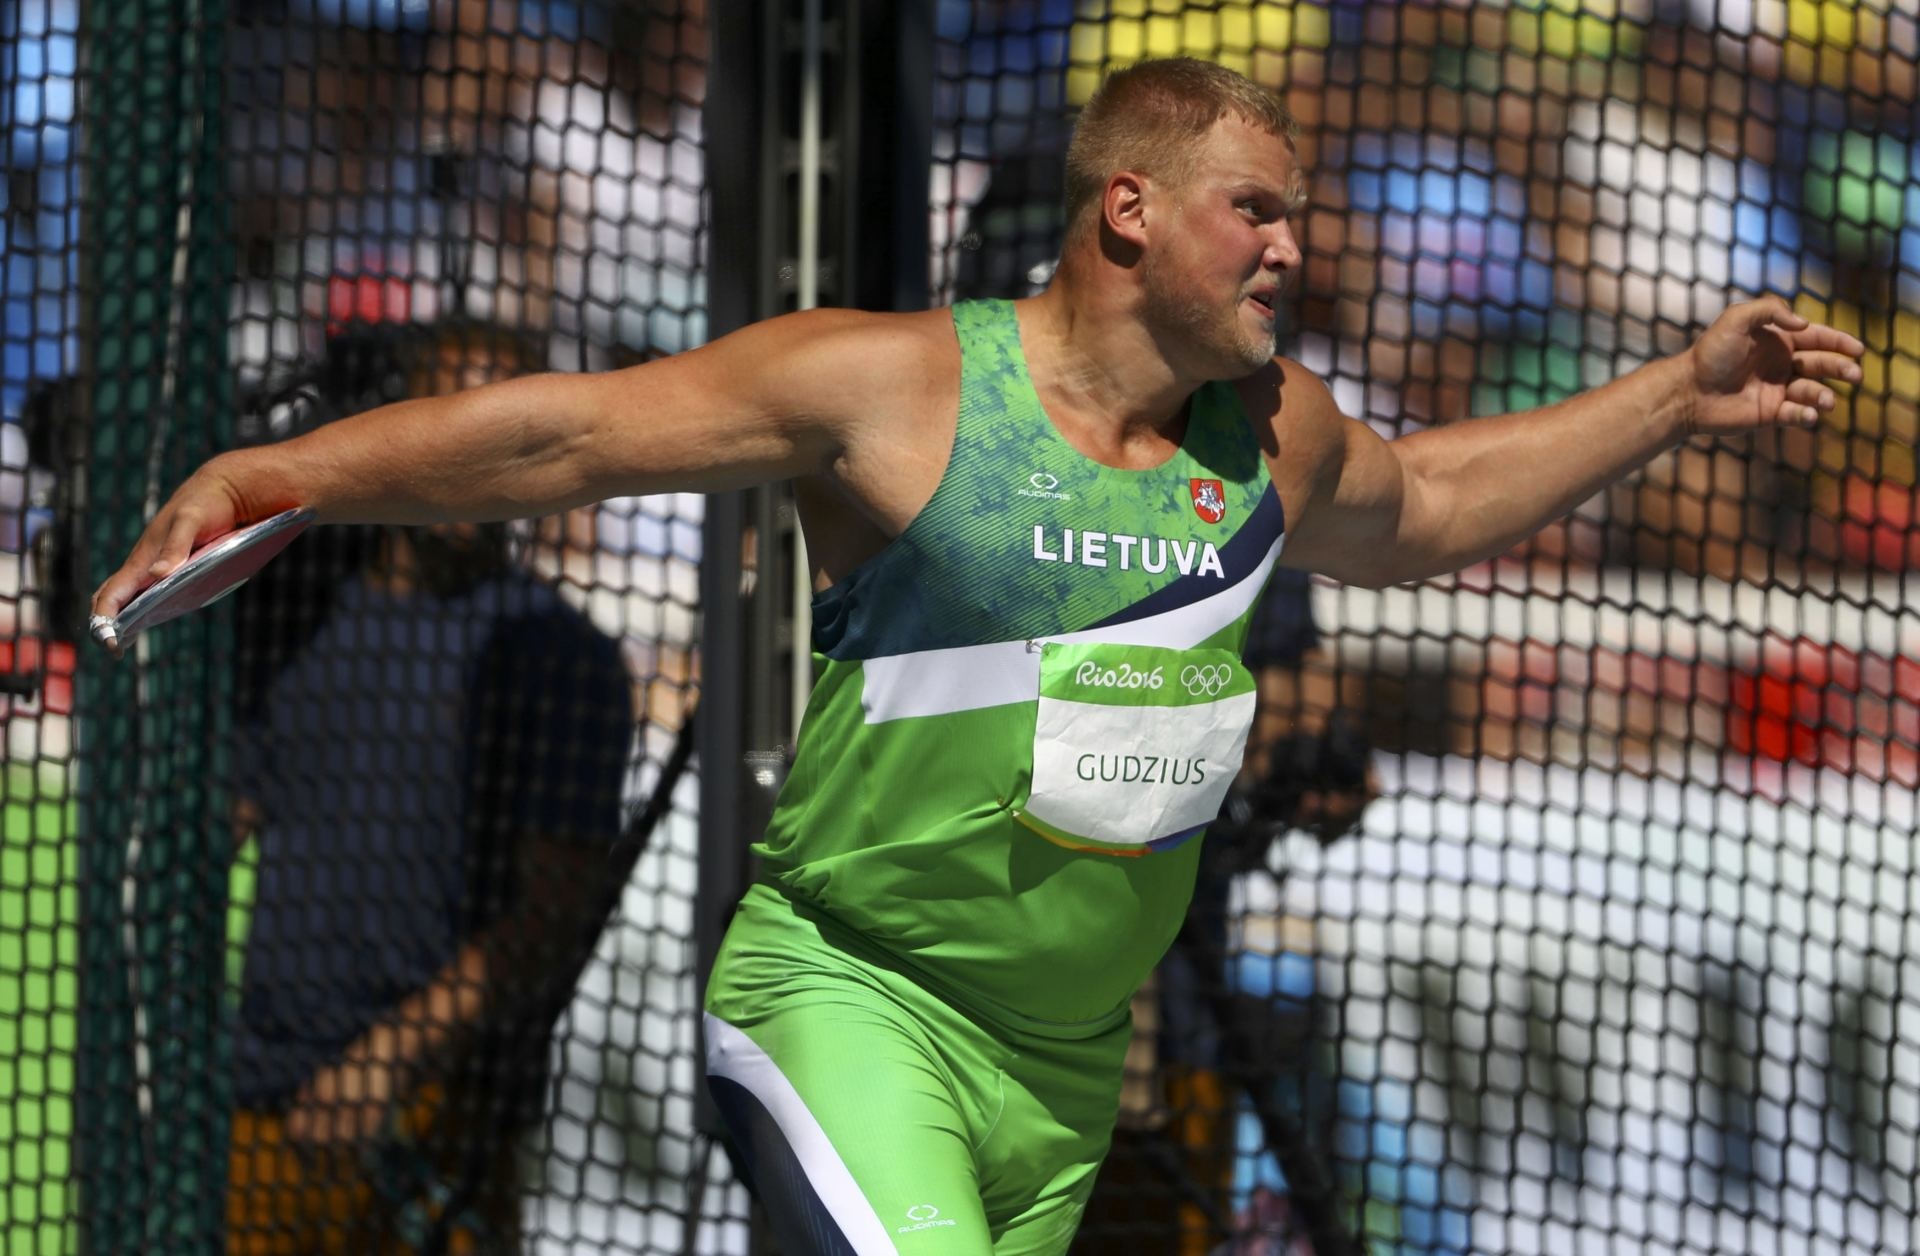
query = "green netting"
{"x": 38, "y": 999}
{"x": 219, "y": 881}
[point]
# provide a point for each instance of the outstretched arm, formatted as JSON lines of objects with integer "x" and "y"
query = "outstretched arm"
{"x": 775, "y": 400}
{"x": 1381, "y": 512}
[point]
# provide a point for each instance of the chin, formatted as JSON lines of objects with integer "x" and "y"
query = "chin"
{"x": 1256, "y": 354}
{"x": 1248, "y": 353}
{"x": 1224, "y": 340}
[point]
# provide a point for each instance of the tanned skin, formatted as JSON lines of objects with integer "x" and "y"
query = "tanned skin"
{"x": 1161, "y": 289}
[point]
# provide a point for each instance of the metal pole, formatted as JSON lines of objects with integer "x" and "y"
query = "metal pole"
{"x": 887, "y": 163}
{"x": 737, "y": 287}
{"x": 807, "y": 280}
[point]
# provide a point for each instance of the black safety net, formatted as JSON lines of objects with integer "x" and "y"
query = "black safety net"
{"x": 1618, "y": 957}
{"x": 358, "y": 916}
{"x": 356, "y": 913}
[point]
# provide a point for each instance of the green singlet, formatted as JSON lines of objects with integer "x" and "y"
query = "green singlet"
{"x": 1026, "y": 706}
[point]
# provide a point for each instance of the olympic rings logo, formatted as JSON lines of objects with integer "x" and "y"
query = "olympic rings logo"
{"x": 1204, "y": 682}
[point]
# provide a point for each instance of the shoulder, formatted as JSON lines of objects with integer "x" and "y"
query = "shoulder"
{"x": 832, "y": 369}
{"x": 1285, "y": 394}
{"x": 798, "y": 356}
{"x": 917, "y": 331}
{"x": 858, "y": 358}
{"x": 1297, "y": 422}
{"x": 849, "y": 347}
{"x": 889, "y": 385}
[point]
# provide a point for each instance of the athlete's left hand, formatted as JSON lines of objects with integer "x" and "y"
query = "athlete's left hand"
{"x": 1762, "y": 365}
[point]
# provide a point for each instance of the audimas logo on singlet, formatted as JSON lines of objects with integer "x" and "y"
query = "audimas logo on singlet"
{"x": 924, "y": 1217}
{"x": 1040, "y": 484}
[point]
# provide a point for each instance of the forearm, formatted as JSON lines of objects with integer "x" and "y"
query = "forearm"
{"x": 490, "y": 453}
{"x": 1475, "y": 489}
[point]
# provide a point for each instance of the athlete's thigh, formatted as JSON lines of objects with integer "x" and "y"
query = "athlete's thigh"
{"x": 1038, "y": 1164}
{"x": 1046, "y": 1223}
{"x": 853, "y": 1132}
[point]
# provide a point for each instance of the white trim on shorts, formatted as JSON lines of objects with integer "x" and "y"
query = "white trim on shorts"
{"x": 736, "y": 1057}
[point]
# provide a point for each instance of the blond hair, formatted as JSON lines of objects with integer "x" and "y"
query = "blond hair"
{"x": 1150, "y": 117}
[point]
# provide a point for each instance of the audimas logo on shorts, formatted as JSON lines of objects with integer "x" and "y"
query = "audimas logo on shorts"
{"x": 924, "y": 1217}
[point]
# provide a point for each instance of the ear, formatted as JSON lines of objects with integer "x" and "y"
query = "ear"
{"x": 1123, "y": 207}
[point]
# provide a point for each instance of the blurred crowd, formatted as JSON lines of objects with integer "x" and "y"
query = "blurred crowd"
{"x": 1510, "y": 200}
{"x": 434, "y": 756}
{"x": 1515, "y": 199}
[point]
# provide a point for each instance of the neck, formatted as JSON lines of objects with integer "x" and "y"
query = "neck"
{"x": 1096, "y": 360}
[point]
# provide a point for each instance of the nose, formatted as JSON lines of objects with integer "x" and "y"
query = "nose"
{"x": 1283, "y": 250}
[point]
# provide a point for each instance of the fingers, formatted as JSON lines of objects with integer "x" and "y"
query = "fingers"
{"x": 1799, "y": 332}
{"x": 1810, "y": 392}
{"x": 1806, "y": 401}
{"x": 1826, "y": 364}
{"x": 200, "y": 511}
{"x": 122, "y": 585}
{"x": 180, "y": 536}
{"x": 1769, "y": 311}
{"x": 166, "y": 544}
{"x": 1833, "y": 340}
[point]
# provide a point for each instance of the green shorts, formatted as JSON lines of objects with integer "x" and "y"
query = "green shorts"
{"x": 874, "y": 1116}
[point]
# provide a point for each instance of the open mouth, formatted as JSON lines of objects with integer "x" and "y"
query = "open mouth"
{"x": 1264, "y": 300}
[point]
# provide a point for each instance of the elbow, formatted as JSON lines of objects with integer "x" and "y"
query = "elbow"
{"x": 1376, "y": 578}
{"x": 1381, "y": 576}
{"x": 1385, "y": 565}
{"x": 1372, "y": 565}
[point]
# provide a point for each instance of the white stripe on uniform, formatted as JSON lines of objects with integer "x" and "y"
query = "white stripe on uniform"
{"x": 971, "y": 677}
{"x": 733, "y": 1055}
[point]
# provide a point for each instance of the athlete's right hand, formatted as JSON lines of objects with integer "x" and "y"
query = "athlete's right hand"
{"x": 207, "y": 506}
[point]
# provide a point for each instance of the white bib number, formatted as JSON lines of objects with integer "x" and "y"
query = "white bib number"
{"x": 1134, "y": 746}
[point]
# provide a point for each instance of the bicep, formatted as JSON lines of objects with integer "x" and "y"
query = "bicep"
{"x": 773, "y": 401}
{"x": 1354, "y": 503}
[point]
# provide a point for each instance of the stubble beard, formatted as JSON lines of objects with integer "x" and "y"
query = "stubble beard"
{"x": 1189, "y": 318}
{"x": 1256, "y": 350}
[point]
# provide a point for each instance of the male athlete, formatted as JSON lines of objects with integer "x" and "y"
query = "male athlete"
{"x": 1027, "y": 630}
